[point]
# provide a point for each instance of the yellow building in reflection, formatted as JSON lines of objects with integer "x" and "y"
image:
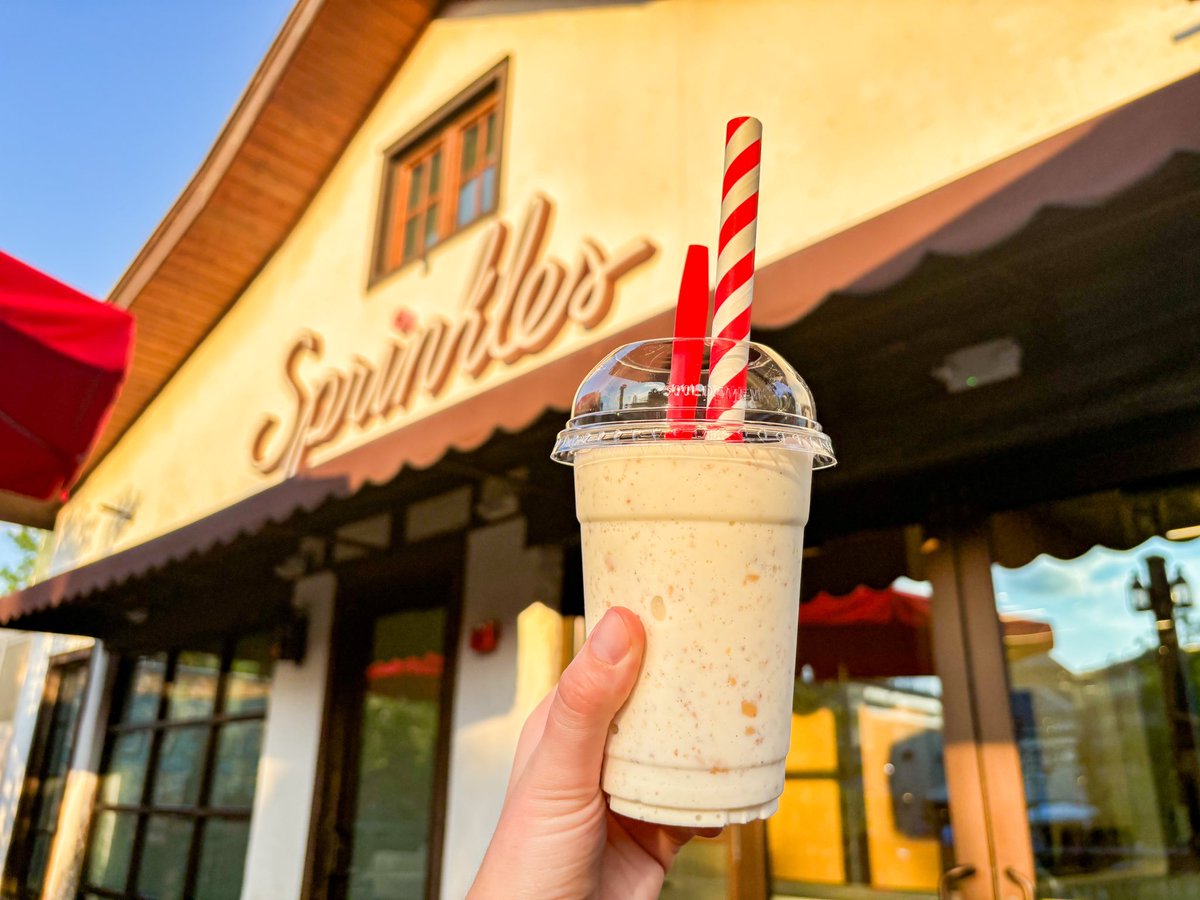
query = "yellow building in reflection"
{"x": 817, "y": 836}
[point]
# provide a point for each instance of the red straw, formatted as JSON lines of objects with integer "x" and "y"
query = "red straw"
{"x": 691, "y": 318}
{"x": 735, "y": 276}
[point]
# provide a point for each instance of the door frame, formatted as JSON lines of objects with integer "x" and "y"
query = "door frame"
{"x": 31, "y": 799}
{"x": 366, "y": 590}
{"x": 988, "y": 767}
{"x": 965, "y": 779}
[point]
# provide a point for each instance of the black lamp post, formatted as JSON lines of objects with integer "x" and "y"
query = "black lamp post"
{"x": 1163, "y": 596}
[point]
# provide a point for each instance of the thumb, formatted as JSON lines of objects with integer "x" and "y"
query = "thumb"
{"x": 591, "y": 691}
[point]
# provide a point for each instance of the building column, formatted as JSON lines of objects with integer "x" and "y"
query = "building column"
{"x": 276, "y": 858}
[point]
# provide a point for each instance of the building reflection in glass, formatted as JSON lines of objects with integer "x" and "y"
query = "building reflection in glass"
{"x": 1104, "y": 713}
{"x": 866, "y": 752}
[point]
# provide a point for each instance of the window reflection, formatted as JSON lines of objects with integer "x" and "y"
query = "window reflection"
{"x": 145, "y": 688}
{"x": 1104, "y": 700}
{"x": 195, "y": 687}
{"x": 397, "y": 755}
{"x": 865, "y": 760}
{"x": 238, "y": 749}
{"x": 222, "y": 860}
{"x": 112, "y": 842}
{"x": 164, "y": 857}
{"x": 180, "y": 760}
{"x": 700, "y": 872}
{"x": 249, "y": 680}
{"x": 122, "y": 783}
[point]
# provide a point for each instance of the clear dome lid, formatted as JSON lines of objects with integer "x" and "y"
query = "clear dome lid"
{"x": 628, "y": 398}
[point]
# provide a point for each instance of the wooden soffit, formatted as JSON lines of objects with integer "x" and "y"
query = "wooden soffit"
{"x": 319, "y": 80}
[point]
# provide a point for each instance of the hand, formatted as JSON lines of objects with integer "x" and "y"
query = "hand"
{"x": 557, "y": 838}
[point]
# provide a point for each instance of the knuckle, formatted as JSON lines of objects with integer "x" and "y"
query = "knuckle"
{"x": 577, "y": 696}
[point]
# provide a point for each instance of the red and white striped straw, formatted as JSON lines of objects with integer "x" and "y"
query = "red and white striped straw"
{"x": 735, "y": 277}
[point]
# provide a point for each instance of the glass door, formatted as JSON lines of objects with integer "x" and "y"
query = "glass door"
{"x": 390, "y": 830}
{"x": 883, "y": 797}
{"x": 1102, "y": 665}
{"x": 381, "y": 828}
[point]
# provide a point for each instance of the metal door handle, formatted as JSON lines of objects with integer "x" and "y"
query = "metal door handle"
{"x": 947, "y": 879}
{"x": 1027, "y": 885}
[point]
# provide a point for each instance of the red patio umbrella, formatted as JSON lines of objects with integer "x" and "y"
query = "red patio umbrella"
{"x": 884, "y": 633}
{"x": 63, "y": 357}
{"x": 868, "y": 633}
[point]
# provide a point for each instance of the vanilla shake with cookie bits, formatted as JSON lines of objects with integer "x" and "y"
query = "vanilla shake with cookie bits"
{"x": 693, "y": 463}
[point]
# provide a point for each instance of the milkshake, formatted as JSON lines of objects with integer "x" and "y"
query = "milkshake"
{"x": 702, "y": 537}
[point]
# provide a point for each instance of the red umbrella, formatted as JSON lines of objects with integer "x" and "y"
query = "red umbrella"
{"x": 883, "y": 633}
{"x": 868, "y": 633}
{"x": 63, "y": 357}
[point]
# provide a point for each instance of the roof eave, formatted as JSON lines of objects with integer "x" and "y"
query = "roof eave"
{"x": 352, "y": 50}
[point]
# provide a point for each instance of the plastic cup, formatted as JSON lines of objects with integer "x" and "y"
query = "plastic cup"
{"x": 699, "y": 529}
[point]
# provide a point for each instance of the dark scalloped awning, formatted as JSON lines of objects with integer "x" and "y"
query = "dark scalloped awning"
{"x": 1102, "y": 301}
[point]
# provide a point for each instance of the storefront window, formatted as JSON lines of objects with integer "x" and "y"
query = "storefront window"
{"x": 194, "y": 689}
{"x": 397, "y": 756}
{"x": 146, "y": 689}
{"x": 249, "y": 678}
{"x": 223, "y": 848}
{"x": 444, "y": 178}
{"x": 177, "y": 785}
{"x": 1105, "y": 689}
{"x": 112, "y": 847}
{"x": 121, "y": 784}
{"x": 865, "y": 807}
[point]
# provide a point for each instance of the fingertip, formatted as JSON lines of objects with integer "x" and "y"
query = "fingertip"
{"x": 630, "y": 617}
{"x": 633, "y": 622}
{"x": 611, "y": 639}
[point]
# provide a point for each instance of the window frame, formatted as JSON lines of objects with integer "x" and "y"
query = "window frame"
{"x": 199, "y": 812}
{"x": 484, "y": 96}
{"x": 17, "y": 867}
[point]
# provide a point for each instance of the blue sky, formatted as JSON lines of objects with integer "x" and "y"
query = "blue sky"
{"x": 106, "y": 110}
{"x": 1086, "y": 600}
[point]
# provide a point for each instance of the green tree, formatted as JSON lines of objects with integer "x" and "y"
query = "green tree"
{"x": 16, "y": 575}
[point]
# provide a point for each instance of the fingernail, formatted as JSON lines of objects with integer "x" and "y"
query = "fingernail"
{"x": 610, "y": 639}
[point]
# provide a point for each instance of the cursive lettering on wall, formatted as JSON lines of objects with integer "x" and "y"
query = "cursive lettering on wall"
{"x": 508, "y": 312}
